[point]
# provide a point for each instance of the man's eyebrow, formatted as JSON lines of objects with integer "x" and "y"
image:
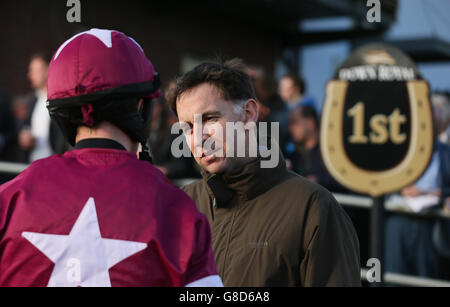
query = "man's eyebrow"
{"x": 209, "y": 113}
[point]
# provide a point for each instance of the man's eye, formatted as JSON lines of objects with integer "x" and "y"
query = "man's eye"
{"x": 211, "y": 118}
{"x": 186, "y": 128}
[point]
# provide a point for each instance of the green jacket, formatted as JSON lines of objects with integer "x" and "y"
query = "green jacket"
{"x": 271, "y": 227}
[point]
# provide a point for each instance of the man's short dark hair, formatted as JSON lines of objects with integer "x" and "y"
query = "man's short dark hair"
{"x": 228, "y": 77}
{"x": 298, "y": 81}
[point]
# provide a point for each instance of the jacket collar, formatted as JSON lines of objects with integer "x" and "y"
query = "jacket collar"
{"x": 99, "y": 143}
{"x": 246, "y": 184}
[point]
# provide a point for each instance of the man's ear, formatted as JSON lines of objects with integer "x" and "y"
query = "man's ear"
{"x": 251, "y": 111}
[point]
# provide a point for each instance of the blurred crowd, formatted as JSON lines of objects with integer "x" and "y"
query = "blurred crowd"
{"x": 413, "y": 245}
{"x": 26, "y": 132}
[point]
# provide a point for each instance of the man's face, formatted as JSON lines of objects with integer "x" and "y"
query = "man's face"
{"x": 37, "y": 73}
{"x": 205, "y": 101}
{"x": 287, "y": 90}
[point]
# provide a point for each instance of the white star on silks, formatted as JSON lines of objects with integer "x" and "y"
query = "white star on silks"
{"x": 83, "y": 258}
{"x": 105, "y": 36}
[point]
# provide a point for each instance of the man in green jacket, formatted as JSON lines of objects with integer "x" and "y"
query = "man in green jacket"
{"x": 270, "y": 227}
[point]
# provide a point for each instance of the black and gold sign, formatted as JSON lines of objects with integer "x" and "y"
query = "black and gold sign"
{"x": 377, "y": 127}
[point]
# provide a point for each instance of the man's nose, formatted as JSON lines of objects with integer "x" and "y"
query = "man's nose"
{"x": 199, "y": 136}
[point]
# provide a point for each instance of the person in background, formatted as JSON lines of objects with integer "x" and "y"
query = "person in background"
{"x": 160, "y": 142}
{"x": 411, "y": 246}
{"x": 21, "y": 114}
{"x": 304, "y": 152}
{"x": 21, "y": 109}
{"x": 430, "y": 182}
{"x": 292, "y": 89}
{"x": 39, "y": 136}
{"x": 271, "y": 106}
{"x": 441, "y": 101}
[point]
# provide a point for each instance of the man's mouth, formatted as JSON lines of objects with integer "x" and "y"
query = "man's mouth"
{"x": 210, "y": 155}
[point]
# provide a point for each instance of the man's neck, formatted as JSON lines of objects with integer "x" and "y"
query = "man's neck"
{"x": 107, "y": 131}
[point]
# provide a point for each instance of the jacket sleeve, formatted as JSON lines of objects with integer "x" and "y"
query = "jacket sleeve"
{"x": 202, "y": 270}
{"x": 330, "y": 245}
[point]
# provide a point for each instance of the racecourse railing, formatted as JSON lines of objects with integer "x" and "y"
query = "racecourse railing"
{"x": 364, "y": 202}
{"x": 12, "y": 168}
{"x": 407, "y": 280}
{"x": 354, "y": 201}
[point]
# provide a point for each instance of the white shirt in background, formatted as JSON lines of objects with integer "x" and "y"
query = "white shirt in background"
{"x": 40, "y": 128}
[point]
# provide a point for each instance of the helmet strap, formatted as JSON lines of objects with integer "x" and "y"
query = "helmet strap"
{"x": 144, "y": 155}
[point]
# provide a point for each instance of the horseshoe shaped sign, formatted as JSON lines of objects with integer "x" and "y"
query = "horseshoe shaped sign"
{"x": 377, "y": 124}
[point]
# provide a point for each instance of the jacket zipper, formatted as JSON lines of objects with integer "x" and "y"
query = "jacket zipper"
{"x": 230, "y": 230}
